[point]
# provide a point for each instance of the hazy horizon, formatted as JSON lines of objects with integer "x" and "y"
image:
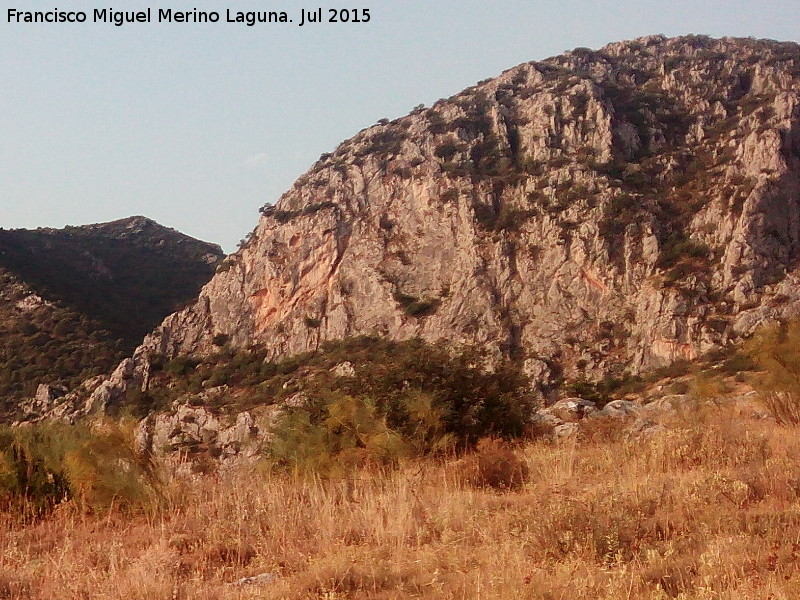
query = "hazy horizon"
{"x": 198, "y": 125}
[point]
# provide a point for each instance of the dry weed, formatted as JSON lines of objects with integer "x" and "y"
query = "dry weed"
{"x": 705, "y": 509}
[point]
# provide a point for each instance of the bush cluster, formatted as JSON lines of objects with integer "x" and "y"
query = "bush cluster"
{"x": 776, "y": 351}
{"x": 407, "y": 399}
{"x": 46, "y": 464}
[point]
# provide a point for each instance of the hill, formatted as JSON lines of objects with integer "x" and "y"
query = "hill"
{"x": 74, "y": 301}
{"x": 588, "y": 218}
{"x": 536, "y": 341}
{"x": 597, "y": 214}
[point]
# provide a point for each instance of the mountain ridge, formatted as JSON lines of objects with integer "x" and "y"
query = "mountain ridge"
{"x": 72, "y": 305}
{"x": 590, "y": 217}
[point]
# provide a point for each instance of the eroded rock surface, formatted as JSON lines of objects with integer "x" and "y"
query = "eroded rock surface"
{"x": 611, "y": 210}
{"x": 600, "y": 212}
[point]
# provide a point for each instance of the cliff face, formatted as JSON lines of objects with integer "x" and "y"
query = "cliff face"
{"x": 601, "y": 211}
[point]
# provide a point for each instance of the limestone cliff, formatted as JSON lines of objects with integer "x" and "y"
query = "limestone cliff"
{"x": 599, "y": 211}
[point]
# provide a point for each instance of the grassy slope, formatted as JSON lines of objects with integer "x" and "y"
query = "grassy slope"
{"x": 709, "y": 508}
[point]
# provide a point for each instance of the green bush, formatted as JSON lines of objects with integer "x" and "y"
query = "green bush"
{"x": 408, "y": 399}
{"x": 339, "y": 434}
{"x": 46, "y": 464}
{"x": 776, "y": 351}
{"x": 447, "y": 150}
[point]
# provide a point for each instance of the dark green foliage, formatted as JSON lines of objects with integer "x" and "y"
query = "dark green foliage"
{"x": 507, "y": 218}
{"x": 29, "y": 476}
{"x": 181, "y": 365}
{"x": 437, "y": 123}
{"x": 625, "y": 175}
{"x": 47, "y": 344}
{"x": 385, "y": 223}
{"x": 450, "y": 195}
{"x": 677, "y": 369}
{"x": 648, "y": 108}
{"x": 220, "y": 339}
{"x": 605, "y": 390}
{"x": 488, "y": 158}
{"x": 114, "y": 272}
{"x": 408, "y": 398}
{"x": 341, "y": 434}
{"x": 415, "y": 307}
{"x": 623, "y": 211}
{"x": 387, "y": 141}
{"x": 139, "y": 404}
{"x": 104, "y": 287}
{"x": 775, "y": 349}
{"x": 682, "y": 257}
{"x": 447, "y": 150}
{"x": 422, "y": 308}
{"x": 284, "y": 216}
{"x": 312, "y": 322}
{"x": 739, "y": 362}
{"x": 485, "y": 215}
{"x": 579, "y": 103}
{"x": 475, "y": 402}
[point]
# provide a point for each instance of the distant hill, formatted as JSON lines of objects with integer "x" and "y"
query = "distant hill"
{"x": 73, "y": 301}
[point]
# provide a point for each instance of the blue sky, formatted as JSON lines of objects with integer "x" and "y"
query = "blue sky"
{"x": 198, "y": 125}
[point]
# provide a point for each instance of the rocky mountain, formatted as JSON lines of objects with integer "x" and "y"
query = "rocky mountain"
{"x": 74, "y": 301}
{"x": 596, "y": 213}
{"x": 590, "y": 217}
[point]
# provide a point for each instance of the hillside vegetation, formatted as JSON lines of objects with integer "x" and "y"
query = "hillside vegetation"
{"x": 73, "y": 302}
{"x": 709, "y": 508}
{"x": 127, "y": 274}
{"x": 705, "y": 505}
{"x": 45, "y": 342}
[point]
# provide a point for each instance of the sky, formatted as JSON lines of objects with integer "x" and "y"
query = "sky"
{"x": 198, "y": 125}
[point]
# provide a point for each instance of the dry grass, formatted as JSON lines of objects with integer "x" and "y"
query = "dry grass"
{"x": 783, "y": 406}
{"x": 707, "y": 509}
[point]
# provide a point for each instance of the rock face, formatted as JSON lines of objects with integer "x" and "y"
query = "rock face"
{"x": 598, "y": 212}
{"x": 194, "y": 429}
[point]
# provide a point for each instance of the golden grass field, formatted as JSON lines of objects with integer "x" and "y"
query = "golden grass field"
{"x": 708, "y": 508}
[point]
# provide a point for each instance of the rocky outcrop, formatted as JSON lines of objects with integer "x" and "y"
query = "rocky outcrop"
{"x": 195, "y": 430}
{"x": 601, "y": 211}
